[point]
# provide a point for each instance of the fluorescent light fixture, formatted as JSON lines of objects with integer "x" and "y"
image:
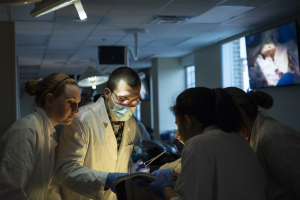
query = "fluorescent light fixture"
{"x": 80, "y": 10}
{"x": 92, "y": 77}
{"x": 47, "y": 6}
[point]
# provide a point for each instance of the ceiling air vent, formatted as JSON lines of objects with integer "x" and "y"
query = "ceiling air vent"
{"x": 158, "y": 19}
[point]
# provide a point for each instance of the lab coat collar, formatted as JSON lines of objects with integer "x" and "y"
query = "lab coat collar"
{"x": 210, "y": 128}
{"x": 255, "y": 136}
{"x": 102, "y": 109}
{"x": 46, "y": 121}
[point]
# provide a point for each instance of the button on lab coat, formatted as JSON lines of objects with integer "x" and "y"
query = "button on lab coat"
{"x": 219, "y": 166}
{"x": 27, "y": 151}
{"x": 87, "y": 152}
{"x": 277, "y": 148}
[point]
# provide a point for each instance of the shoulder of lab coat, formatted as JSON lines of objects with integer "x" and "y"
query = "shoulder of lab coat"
{"x": 72, "y": 149}
{"x": 18, "y": 153}
{"x": 277, "y": 147}
{"x": 210, "y": 159}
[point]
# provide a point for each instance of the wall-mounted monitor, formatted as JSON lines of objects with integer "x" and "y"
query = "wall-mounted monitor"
{"x": 111, "y": 55}
{"x": 273, "y": 58}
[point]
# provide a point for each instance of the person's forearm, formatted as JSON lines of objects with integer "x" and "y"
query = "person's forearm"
{"x": 169, "y": 193}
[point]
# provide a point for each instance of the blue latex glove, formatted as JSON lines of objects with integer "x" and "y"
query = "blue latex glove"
{"x": 139, "y": 167}
{"x": 159, "y": 184}
{"x": 111, "y": 177}
{"x": 166, "y": 172}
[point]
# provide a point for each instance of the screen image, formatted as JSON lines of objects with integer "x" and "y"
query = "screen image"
{"x": 273, "y": 58}
{"x": 144, "y": 93}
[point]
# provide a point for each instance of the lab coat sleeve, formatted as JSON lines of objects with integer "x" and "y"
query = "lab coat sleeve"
{"x": 54, "y": 190}
{"x": 17, "y": 163}
{"x": 196, "y": 179}
{"x": 284, "y": 163}
{"x": 69, "y": 170}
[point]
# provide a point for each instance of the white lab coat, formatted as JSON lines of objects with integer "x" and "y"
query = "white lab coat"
{"x": 277, "y": 148}
{"x": 87, "y": 152}
{"x": 219, "y": 166}
{"x": 27, "y": 151}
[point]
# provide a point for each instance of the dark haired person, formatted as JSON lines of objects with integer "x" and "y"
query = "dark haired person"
{"x": 96, "y": 148}
{"x": 217, "y": 162}
{"x": 277, "y": 146}
{"x": 27, "y": 149}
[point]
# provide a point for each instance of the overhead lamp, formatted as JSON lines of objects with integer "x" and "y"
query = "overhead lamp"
{"x": 47, "y": 6}
{"x": 92, "y": 77}
{"x": 17, "y": 2}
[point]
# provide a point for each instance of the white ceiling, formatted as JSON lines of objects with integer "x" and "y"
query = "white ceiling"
{"x": 56, "y": 42}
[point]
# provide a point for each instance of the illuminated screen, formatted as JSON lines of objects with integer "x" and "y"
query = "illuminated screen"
{"x": 273, "y": 58}
{"x": 144, "y": 93}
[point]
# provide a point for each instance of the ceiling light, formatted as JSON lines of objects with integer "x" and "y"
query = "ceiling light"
{"x": 47, "y": 6}
{"x": 17, "y": 2}
{"x": 92, "y": 77}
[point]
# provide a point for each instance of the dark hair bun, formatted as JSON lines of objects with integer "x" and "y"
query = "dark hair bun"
{"x": 262, "y": 99}
{"x": 31, "y": 87}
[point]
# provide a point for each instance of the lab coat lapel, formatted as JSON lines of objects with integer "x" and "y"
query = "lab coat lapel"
{"x": 111, "y": 138}
{"x": 124, "y": 138}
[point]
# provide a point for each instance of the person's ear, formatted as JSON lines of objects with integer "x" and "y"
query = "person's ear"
{"x": 49, "y": 99}
{"x": 188, "y": 121}
{"x": 106, "y": 93}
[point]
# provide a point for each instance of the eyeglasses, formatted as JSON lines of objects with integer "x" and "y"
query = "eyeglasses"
{"x": 126, "y": 101}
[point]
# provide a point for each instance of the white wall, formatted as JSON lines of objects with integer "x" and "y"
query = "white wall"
{"x": 168, "y": 78}
{"x": 208, "y": 71}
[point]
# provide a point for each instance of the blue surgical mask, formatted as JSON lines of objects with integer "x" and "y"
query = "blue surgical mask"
{"x": 121, "y": 113}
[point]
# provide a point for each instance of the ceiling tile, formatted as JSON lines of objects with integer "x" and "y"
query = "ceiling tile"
{"x": 292, "y": 3}
{"x": 34, "y": 25}
{"x": 33, "y": 40}
{"x": 192, "y": 30}
{"x": 65, "y": 44}
{"x": 220, "y": 14}
{"x": 101, "y": 41}
{"x": 246, "y": 3}
{"x": 67, "y": 38}
{"x": 115, "y": 26}
{"x": 108, "y": 33}
{"x": 126, "y": 19}
{"x": 74, "y": 26}
{"x": 33, "y": 32}
{"x": 74, "y": 32}
{"x": 169, "y": 42}
{"x": 197, "y": 2}
{"x": 128, "y": 9}
{"x": 29, "y": 61}
{"x": 152, "y": 2}
{"x": 190, "y": 10}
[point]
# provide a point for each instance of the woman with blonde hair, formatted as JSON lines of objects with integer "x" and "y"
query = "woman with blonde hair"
{"x": 27, "y": 149}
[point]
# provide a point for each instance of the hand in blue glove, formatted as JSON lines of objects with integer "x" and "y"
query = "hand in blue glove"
{"x": 166, "y": 172}
{"x": 111, "y": 177}
{"x": 139, "y": 167}
{"x": 159, "y": 184}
